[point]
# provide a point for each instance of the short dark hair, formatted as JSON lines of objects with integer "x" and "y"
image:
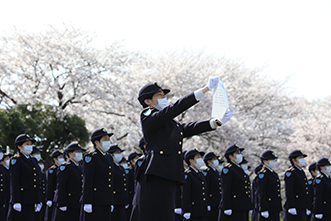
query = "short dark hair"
{"x": 96, "y": 139}
{"x": 147, "y": 97}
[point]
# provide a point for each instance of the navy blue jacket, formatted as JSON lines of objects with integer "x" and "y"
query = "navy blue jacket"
{"x": 121, "y": 192}
{"x": 214, "y": 187}
{"x": 322, "y": 194}
{"x": 164, "y": 138}
{"x": 3, "y": 195}
{"x": 51, "y": 182}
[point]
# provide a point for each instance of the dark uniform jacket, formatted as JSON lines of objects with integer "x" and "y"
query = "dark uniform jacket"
{"x": 236, "y": 194}
{"x": 311, "y": 192}
{"x": 43, "y": 186}
{"x": 3, "y": 195}
{"x": 164, "y": 138}
{"x": 296, "y": 189}
{"x": 121, "y": 193}
{"x": 69, "y": 185}
{"x": 24, "y": 180}
{"x": 268, "y": 191}
{"x": 98, "y": 179}
{"x": 51, "y": 182}
{"x": 322, "y": 198}
{"x": 130, "y": 176}
{"x": 195, "y": 194}
{"x": 214, "y": 187}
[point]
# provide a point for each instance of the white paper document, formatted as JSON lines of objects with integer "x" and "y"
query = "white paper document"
{"x": 220, "y": 101}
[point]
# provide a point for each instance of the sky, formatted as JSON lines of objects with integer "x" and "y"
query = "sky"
{"x": 289, "y": 38}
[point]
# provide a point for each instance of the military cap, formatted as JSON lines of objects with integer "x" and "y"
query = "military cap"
{"x": 244, "y": 160}
{"x": 35, "y": 149}
{"x": 210, "y": 155}
{"x": 41, "y": 161}
{"x": 148, "y": 90}
{"x": 98, "y": 133}
{"x": 142, "y": 142}
{"x": 268, "y": 155}
{"x": 220, "y": 161}
{"x": 72, "y": 147}
{"x": 123, "y": 160}
{"x": 55, "y": 154}
{"x": 295, "y": 154}
{"x": 6, "y": 155}
{"x": 323, "y": 162}
{"x": 113, "y": 148}
{"x": 22, "y": 138}
{"x": 312, "y": 166}
{"x": 232, "y": 148}
{"x": 133, "y": 155}
{"x": 191, "y": 153}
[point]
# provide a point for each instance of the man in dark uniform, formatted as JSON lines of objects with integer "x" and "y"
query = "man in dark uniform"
{"x": 98, "y": 185}
{"x": 268, "y": 189}
{"x": 121, "y": 193}
{"x": 57, "y": 159}
{"x": 5, "y": 180}
{"x": 296, "y": 189}
{"x": 236, "y": 193}
{"x": 2, "y": 187}
{"x": 69, "y": 186}
{"x": 195, "y": 206}
{"x": 24, "y": 182}
{"x": 313, "y": 170}
{"x": 322, "y": 190}
{"x": 214, "y": 185}
{"x": 255, "y": 212}
{"x": 162, "y": 166}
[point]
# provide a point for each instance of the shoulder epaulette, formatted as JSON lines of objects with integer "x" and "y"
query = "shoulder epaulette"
{"x": 17, "y": 155}
{"x": 228, "y": 165}
{"x": 53, "y": 167}
{"x": 319, "y": 176}
{"x": 187, "y": 171}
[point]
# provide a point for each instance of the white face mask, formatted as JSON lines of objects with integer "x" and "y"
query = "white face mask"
{"x": 105, "y": 146}
{"x": 60, "y": 161}
{"x": 318, "y": 172}
{"x": 38, "y": 157}
{"x": 302, "y": 162}
{"x": 7, "y": 163}
{"x": 41, "y": 166}
{"x": 78, "y": 157}
{"x": 239, "y": 158}
{"x": 220, "y": 168}
{"x": 272, "y": 164}
{"x": 215, "y": 163}
{"x": 118, "y": 157}
{"x": 27, "y": 150}
{"x": 1, "y": 155}
{"x": 328, "y": 170}
{"x": 125, "y": 165}
{"x": 246, "y": 171}
{"x": 199, "y": 163}
{"x": 244, "y": 166}
{"x": 162, "y": 103}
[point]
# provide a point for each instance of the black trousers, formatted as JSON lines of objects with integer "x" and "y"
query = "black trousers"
{"x": 154, "y": 200}
{"x": 178, "y": 217}
{"x": 27, "y": 213}
{"x": 48, "y": 213}
{"x": 98, "y": 213}
{"x": 301, "y": 215}
{"x": 273, "y": 216}
{"x": 69, "y": 215}
{"x": 197, "y": 219}
{"x": 235, "y": 216}
{"x": 213, "y": 214}
{"x": 128, "y": 212}
{"x": 119, "y": 213}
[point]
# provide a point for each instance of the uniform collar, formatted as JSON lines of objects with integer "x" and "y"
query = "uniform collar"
{"x": 194, "y": 169}
{"x": 297, "y": 167}
{"x": 74, "y": 162}
{"x": 268, "y": 168}
{"x": 325, "y": 174}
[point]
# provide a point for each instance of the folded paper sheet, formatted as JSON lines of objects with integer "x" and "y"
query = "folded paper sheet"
{"x": 220, "y": 101}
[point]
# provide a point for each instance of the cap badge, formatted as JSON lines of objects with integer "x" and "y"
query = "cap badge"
{"x": 104, "y": 130}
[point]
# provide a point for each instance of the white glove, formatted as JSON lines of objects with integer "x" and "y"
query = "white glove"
{"x": 17, "y": 207}
{"x": 319, "y": 216}
{"x": 49, "y": 203}
{"x": 37, "y": 207}
{"x": 179, "y": 211}
{"x": 226, "y": 117}
{"x": 208, "y": 208}
{"x": 88, "y": 208}
{"x": 293, "y": 211}
{"x": 308, "y": 212}
{"x": 213, "y": 81}
{"x": 251, "y": 211}
{"x": 228, "y": 212}
{"x": 187, "y": 215}
{"x": 111, "y": 208}
{"x": 63, "y": 208}
{"x": 265, "y": 214}
{"x": 127, "y": 206}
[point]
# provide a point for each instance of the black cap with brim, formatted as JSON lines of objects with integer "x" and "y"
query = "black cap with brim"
{"x": 323, "y": 162}
{"x": 268, "y": 155}
{"x": 312, "y": 166}
{"x": 98, "y": 133}
{"x": 6, "y": 155}
{"x": 148, "y": 90}
{"x": 72, "y": 147}
{"x": 113, "y": 148}
{"x": 231, "y": 149}
{"x": 35, "y": 149}
{"x": 56, "y": 153}
{"x": 22, "y": 138}
{"x": 209, "y": 156}
{"x": 191, "y": 153}
{"x": 295, "y": 154}
{"x": 133, "y": 155}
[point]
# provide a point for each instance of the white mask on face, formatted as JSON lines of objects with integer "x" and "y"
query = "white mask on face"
{"x": 302, "y": 162}
{"x": 162, "y": 103}
{"x": 118, "y": 157}
{"x": 60, "y": 161}
{"x": 215, "y": 163}
{"x": 220, "y": 168}
{"x": 239, "y": 158}
{"x": 272, "y": 164}
{"x": 328, "y": 170}
{"x": 244, "y": 166}
{"x": 38, "y": 157}
{"x": 125, "y": 165}
{"x": 78, "y": 156}
{"x": 7, "y": 163}
{"x": 318, "y": 172}
{"x": 199, "y": 163}
{"x": 27, "y": 150}
{"x": 41, "y": 166}
{"x": 105, "y": 146}
{"x": 1, "y": 155}
{"x": 246, "y": 171}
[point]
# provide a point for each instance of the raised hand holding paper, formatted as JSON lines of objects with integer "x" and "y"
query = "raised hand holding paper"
{"x": 220, "y": 101}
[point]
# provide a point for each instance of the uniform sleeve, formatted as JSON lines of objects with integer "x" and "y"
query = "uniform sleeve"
{"x": 318, "y": 190}
{"x": 89, "y": 171}
{"x": 15, "y": 174}
{"x": 187, "y": 201}
{"x": 62, "y": 177}
{"x": 51, "y": 183}
{"x": 289, "y": 190}
{"x": 227, "y": 188}
{"x": 197, "y": 127}
{"x": 261, "y": 193}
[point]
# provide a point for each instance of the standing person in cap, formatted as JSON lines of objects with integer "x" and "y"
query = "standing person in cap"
{"x": 69, "y": 186}
{"x": 98, "y": 185}
{"x": 121, "y": 193}
{"x": 164, "y": 139}
{"x": 2, "y": 187}
{"x": 195, "y": 205}
{"x": 314, "y": 172}
{"x": 244, "y": 165}
{"x": 24, "y": 182}
{"x": 296, "y": 189}
{"x": 236, "y": 195}
{"x": 322, "y": 191}
{"x": 57, "y": 159}
{"x": 5, "y": 182}
{"x": 214, "y": 185}
{"x": 254, "y": 198}
{"x": 269, "y": 202}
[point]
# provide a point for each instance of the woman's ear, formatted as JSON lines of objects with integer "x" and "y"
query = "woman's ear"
{"x": 148, "y": 102}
